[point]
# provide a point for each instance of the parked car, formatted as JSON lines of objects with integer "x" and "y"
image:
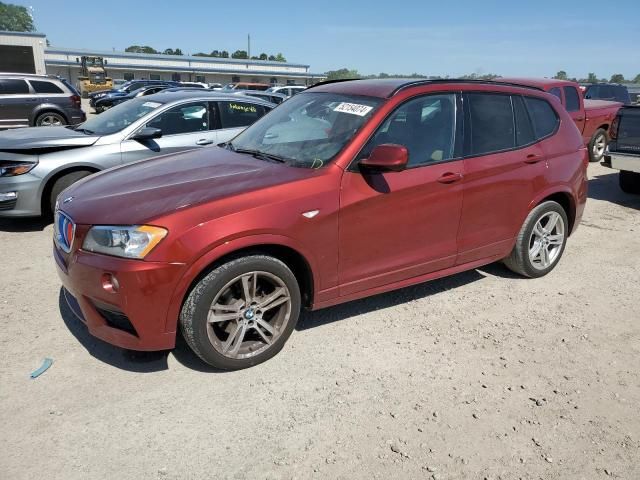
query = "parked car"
{"x": 109, "y": 101}
{"x": 273, "y": 97}
{"x": 346, "y": 190}
{"x": 289, "y": 90}
{"x": 38, "y": 100}
{"x": 624, "y": 149}
{"x": 608, "y": 91}
{"x": 244, "y": 86}
{"x": 216, "y": 86}
{"x": 592, "y": 117}
{"x": 127, "y": 88}
{"x": 194, "y": 84}
{"x": 36, "y": 164}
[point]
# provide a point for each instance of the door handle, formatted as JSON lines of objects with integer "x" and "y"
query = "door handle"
{"x": 204, "y": 141}
{"x": 533, "y": 158}
{"x": 579, "y": 119}
{"x": 450, "y": 177}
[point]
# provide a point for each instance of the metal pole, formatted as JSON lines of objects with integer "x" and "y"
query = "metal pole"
{"x": 248, "y": 45}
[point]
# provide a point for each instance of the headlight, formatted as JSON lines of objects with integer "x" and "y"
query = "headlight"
{"x": 128, "y": 242}
{"x": 11, "y": 169}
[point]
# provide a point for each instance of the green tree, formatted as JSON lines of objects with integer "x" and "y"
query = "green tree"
{"x": 240, "y": 54}
{"x": 168, "y": 51}
{"x": 342, "y": 74}
{"x": 215, "y": 53}
{"x": 561, "y": 75}
{"x": 264, "y": 56}
{"x": 177, "y": 51}
{"x": 139, "y": 49}
{"x": 280, "y": 58}
{"x": 224, "y": 54}
{"x": 592, "y": 78}
{"x": 617, "y": 78}
{"x": 272, "y": 58}
{"x": 15, "y": 18}
{"x": 201, "y": 54}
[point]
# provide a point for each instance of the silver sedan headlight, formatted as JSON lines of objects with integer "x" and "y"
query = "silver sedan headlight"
{"x": 11, "y": 169}
{"x": 123, "y": 241}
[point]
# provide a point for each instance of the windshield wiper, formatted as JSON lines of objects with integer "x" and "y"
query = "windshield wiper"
{"x": 261, "y": 155}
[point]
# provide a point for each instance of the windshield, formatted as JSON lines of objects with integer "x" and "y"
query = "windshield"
{"x": 309, "y": 129}
{"x": 119, "y": 117}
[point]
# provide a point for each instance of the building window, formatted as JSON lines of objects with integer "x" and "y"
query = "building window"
{"x": 128, "y": 76}
{"x": 154, "y": 76}
{"x": 291, "y": 82}
{"x": 175, "y": 77}
{"x": 273, "y": 81}
{"x": 235, "y": 79}
{"x": 200, "y": 78}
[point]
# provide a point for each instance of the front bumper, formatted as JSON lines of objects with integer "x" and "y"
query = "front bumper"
{"x": 27, "y": 187}
{"x": 134, "y": 316}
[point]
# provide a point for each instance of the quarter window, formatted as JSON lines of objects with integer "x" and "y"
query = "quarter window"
{"x": 45, "y": 87}
{"x": 239, "y": 114}
{"x": 11, "y": 86}
{"x": 192, "y": 117}
{"x": 492, "y": 123}
{"x": 543, "y": 116}
{"x": 572, "y": 99}
{"x": 524, "y": 130}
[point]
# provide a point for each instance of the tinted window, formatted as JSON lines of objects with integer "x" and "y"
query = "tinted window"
{"x": 239, "y": 114}
{"x": 425, "y": 125}
{"x": 524, "y": 130}
{"x": 45, "y": 87}
{"x": 492, "y": 125}
{"x": 556, "y": 91}
{"x": 543, "y": 116}
{"x": 10, "y": 86}
{"x": 572, "y": 99}
{"x": 188, "y": 118}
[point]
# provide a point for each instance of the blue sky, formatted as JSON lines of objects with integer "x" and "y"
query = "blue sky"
{"x": 444, "y": 38}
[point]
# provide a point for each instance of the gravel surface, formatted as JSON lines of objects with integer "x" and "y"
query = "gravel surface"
{"x": 480, "y": 375}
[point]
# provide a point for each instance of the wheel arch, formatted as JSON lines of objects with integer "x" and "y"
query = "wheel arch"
{"x": 51, "y": 180}
{"x": 566, "y": 201}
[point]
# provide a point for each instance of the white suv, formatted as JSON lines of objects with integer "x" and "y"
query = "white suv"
{"x": 289, "y": 90}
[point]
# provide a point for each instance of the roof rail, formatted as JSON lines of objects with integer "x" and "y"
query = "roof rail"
{"x": 461, "y": 80}
{"x": 327, "y": 82}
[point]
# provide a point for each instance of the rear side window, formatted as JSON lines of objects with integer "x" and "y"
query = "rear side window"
{"x": 10, "y": 86}
{"x": 572, "y": 99}
{"x": 544, "y": 117}
{"x": 524, "y": 129}
{"x": 492, "y": 123}
{"x": 239, "y": 114}
{"x": 556, "y": 91}
{"x": 45, "y": 87}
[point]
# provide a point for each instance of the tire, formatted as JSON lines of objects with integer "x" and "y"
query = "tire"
{"x": 533, "y": 237}
{"x": 50, "y": 119}
{"x": 98, "y": 109}
{"x": 629, "y": 182}
{"x": 61, "y": 184}
{"x": 239, "y": 338}
{"x": 598, "y": 145}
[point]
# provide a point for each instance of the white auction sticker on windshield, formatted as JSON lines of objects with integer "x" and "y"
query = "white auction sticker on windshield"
{"x": 353, "y": 108}
{"x": 151, "y": 104}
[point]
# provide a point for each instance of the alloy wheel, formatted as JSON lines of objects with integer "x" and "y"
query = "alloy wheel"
{"x": 50, "y": 121}
{"x": 599, "y": 146}
{"x": 248, "y": 314}
{"x": 547, "y": 240}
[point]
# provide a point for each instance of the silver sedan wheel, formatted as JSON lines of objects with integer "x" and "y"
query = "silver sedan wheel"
{"x": 599, "y": 146}
{"x": 546, "y": 241}
{"x": 248, "y": 314}
{"x": 50, "y": 121}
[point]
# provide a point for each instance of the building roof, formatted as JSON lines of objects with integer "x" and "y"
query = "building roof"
{"x": 22, "y": 34}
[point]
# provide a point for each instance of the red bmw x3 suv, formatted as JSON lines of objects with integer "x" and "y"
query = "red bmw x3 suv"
{"x": 346, "y": 190}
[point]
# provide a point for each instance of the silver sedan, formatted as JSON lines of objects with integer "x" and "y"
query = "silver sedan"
{"x": 36, "y": 164}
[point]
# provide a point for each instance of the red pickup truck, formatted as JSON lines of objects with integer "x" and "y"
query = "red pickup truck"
{"x": 593, "y": 117}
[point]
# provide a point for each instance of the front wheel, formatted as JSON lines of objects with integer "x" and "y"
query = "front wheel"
{"x": 241, "y": 313}
{"x": 598, "y": 145}
{"x": 61, "y": 184}
{"x": 541, "y": 241}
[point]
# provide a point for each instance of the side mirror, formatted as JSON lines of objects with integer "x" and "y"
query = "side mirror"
{"x": 387, "y": 158}
{"x": 147, "y": 133}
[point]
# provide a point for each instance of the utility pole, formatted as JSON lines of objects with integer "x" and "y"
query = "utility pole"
{"x": 248, "y": 45}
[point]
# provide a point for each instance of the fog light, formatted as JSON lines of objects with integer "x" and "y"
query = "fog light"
{"x": 110, "y": 283}
{"x": 8, "y": 196}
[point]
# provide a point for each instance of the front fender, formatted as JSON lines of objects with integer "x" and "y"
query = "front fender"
{"x": 221, "y": 250}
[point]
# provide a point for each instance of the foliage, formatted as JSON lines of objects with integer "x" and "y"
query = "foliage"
{"x": 139, "y": 49}
{"x": 342, "y": 74}
{"x": 171, "y": 51}
{"x": 15, "y": 18}
{"x": 617, "y": 78}
{"x": 561, "y": 75}
{"x": 240, "y": 54}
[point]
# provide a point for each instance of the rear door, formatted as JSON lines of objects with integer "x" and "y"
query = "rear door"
{"x": 503, "y": 163}
{"x": 234, "y": 116}
{"x": 183, "y": 126}
{"x": 16, "y": 103}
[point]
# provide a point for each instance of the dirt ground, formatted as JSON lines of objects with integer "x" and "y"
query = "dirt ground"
{"x": 480, "y": 375}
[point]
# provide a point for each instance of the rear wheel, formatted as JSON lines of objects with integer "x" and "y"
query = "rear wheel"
{"x": 61, "y": 184}
{"x": 50, "y": 119}
{"x": 541, "y": 241}
{"x": 629, "y": 182}
{"x": 598, "y": 145}
{"x": 242, "y": 313}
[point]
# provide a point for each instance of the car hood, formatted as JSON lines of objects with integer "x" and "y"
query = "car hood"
{"x": 144, "y": 191}
{"x": 36, "y": 138}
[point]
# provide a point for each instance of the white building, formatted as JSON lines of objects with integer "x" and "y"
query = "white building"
{"x": 28, "y": 53}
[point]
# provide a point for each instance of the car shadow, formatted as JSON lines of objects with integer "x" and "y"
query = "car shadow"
{"x": 18, "y": 225}
{"x": 606, "y": 187}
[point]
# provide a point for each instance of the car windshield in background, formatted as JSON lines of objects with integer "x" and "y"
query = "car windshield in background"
{"x": 309, "y": 129}
{"x": 119, "y": 117}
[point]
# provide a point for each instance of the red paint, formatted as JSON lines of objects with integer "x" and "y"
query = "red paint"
{"x": 376, "y": 231}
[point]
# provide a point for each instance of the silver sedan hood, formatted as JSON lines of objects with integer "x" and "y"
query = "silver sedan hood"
{"x": 50, "y": 138}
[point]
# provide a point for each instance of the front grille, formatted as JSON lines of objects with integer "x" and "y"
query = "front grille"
{"x": 8, "y": 204}
{"x": 117, "y": 320}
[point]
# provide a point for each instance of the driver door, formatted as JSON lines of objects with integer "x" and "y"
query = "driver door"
{"x": 185, "y": 126}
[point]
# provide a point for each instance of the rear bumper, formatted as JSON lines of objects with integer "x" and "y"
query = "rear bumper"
{"x": 622, "y": 161}
{"x": 134, "y": 316}
{"x": 27, "y": 188}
